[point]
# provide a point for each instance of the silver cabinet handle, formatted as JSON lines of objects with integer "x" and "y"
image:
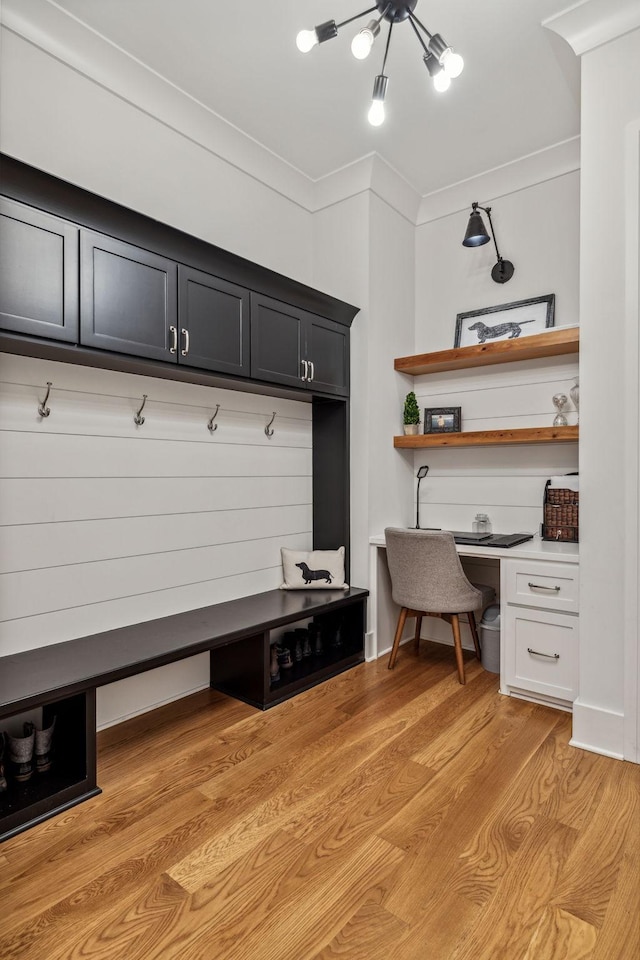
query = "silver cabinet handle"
{"x": 174, "y": 340}
{"x": 305, "y": 370}
{"x": 311, "y": 375}
{"x": 185, "y": 334}
{"x": 549, "y": 656}
{"x": 541, "y": 586}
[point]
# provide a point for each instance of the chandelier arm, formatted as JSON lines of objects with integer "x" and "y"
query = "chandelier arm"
{"x": 357, "y": 17}
{"x": 386, "y": 49}
{"x": 415, "y": 30}
{"x": 412, "y": 18}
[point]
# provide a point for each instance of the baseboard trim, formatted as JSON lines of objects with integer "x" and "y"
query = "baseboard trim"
{"x": 598, "y": 730}
{"x": 179, "y": 695}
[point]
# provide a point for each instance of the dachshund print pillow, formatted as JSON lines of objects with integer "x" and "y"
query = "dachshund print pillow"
{"x": 313, "y": 570}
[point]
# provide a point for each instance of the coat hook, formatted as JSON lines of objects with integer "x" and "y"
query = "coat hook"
{"x": 138, "y": 420}
{"x": 211, "y": 425}
{"x": 43, "y": 409}
{"x": 269, "y": 432}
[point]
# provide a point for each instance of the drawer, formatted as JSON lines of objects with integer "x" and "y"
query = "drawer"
{"x": 553, "y": 586}
{"x": 542, "y": 652}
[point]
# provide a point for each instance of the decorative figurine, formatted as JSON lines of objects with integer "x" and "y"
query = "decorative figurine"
{"x": 559, "y": 401}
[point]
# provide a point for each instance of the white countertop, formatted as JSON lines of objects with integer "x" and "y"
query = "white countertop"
{"x": 535, "y": 549}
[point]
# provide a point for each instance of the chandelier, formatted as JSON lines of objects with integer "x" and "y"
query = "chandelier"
{"x": 441, "y": 62}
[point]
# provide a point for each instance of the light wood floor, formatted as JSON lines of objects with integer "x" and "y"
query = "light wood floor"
{"x": 381, "y": 816}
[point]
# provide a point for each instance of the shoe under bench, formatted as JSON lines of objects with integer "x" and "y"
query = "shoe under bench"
{"x": 61, "y": 679}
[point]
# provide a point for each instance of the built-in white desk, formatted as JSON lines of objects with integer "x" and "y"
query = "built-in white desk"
{"x": 538, "y": 590}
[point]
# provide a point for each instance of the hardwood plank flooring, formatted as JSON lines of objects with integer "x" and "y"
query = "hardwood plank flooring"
{"x": 380, "y": 815}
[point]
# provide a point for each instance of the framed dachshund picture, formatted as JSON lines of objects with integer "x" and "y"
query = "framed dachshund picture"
{"x": 506, "y": 322}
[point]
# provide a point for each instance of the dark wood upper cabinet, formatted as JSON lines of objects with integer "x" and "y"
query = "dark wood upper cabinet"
{"x": 38, "y": 273}
{"x": 277, "y": 341}
{"x": 328, "y": 355}
{"x": 128, "y": 299}
{"x": 214, "y": 323}
{"x": 293, "y": 347}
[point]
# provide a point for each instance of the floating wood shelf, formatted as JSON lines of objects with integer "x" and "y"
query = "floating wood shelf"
{"x": 552, "y": 343}
{"x": 488, "y": 438}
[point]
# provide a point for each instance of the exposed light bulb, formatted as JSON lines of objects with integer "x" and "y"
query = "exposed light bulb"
{"x": 363, "y": 40}
{"x": 362, "y": 43}
{"x": 376, "y": 113}
{"x": 306, "y": 40}
{"x": 452, "y": 63}
{"x": 441, "y": 82}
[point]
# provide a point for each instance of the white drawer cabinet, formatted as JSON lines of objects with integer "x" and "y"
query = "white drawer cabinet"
{"x": 540, "y": 629}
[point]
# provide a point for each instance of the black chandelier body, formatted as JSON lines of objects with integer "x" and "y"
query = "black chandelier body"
{"x": 441, "y": 62}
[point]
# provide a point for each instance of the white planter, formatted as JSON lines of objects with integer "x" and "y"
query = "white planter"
{"x": 411, "y": 429}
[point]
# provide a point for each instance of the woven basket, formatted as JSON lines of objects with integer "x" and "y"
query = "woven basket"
{"x": 560, "y": 514}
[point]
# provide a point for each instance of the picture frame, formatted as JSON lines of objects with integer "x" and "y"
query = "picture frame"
{"x": 442, "y": 419}
{"x": 505, "y": 322}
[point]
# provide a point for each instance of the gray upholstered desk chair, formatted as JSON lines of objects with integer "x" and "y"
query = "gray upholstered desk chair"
{"x": 427, "y": 580}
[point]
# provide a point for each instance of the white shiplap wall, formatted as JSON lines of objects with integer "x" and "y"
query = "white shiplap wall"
{"x": 106, "y": 523}
{"x": 507, "y": 482}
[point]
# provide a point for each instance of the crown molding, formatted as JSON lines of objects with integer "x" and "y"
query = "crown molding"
{"x": 65, "y": 38}
{"x": 372, "y": 173}
{"x": 591, "y": 23}
{"x": 555, "y": 161}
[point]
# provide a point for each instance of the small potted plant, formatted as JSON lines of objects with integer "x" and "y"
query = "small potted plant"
{"x": 411, "y": 414}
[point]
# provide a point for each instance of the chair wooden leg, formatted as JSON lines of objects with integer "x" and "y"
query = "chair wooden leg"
{"x": 474, "y": 632}
{"x": 396, "y": 640}
{"x": 457, "y": 642}
{"x": 417, "y": 634}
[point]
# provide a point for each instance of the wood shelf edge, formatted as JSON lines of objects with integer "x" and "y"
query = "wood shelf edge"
{"x": 486, "y": 438}
{"x": 549, "y": 344}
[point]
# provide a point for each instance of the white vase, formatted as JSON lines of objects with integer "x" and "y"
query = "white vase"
{"x": 574, "y": 393}
{"x": 411, "y": 429}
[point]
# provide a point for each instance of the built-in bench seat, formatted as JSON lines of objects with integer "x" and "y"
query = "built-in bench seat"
{"x": 62, "y": 678}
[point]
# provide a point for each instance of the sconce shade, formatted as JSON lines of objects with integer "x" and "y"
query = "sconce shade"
{"x": 476, "y": 234}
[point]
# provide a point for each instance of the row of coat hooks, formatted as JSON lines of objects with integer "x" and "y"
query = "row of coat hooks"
{"x": 138, "y": 419}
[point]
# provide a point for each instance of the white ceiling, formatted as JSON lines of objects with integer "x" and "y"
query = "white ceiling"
{"x": 518, "y": 94}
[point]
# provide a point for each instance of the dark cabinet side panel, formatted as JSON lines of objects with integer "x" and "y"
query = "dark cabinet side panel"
{"x": 128, "y": 298}
{"x": 277, "y": 341}
{"x": 215, "y": 316}
{"x": 38, "y": 273}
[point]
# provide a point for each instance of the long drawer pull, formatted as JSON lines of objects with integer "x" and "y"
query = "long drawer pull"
{"x": 538, "y": 653}
{"x": 541, "y": 586}
{"x": 185, "y": 334}
{"x": 174, "y": 340}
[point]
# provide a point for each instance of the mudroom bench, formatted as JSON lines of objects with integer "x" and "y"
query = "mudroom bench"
{"x": 61, "y": 679}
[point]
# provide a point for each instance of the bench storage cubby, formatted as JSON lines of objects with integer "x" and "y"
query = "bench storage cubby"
{"x": 61, "y": 680}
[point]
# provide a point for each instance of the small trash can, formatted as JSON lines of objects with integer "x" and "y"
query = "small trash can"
{"x": 490, "y": 638}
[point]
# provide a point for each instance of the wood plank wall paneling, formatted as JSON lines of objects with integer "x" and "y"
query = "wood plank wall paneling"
{"x": 104, "y": 523}
{"x": 505, "y": 482}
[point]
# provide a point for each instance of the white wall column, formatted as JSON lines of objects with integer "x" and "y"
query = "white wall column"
{"x": 608, "y": 38}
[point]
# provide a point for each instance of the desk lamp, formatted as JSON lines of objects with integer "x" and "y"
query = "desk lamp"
{"x": 422, "y": 472}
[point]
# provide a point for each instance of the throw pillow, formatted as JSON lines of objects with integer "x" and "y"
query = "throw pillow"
{"x": 313, "y": 570}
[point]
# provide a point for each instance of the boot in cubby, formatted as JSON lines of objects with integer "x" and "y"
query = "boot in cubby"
{"x": 21, "y": 753}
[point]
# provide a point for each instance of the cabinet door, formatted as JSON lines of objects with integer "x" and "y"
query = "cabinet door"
{"x": 277, "y": 341}
{"x": 214, "y": 322}
{"x": 328, "y": 355}
{"x": 128, "y": 299}
{"x": 542, "y": 651}
{"x": 38, "y": 273}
